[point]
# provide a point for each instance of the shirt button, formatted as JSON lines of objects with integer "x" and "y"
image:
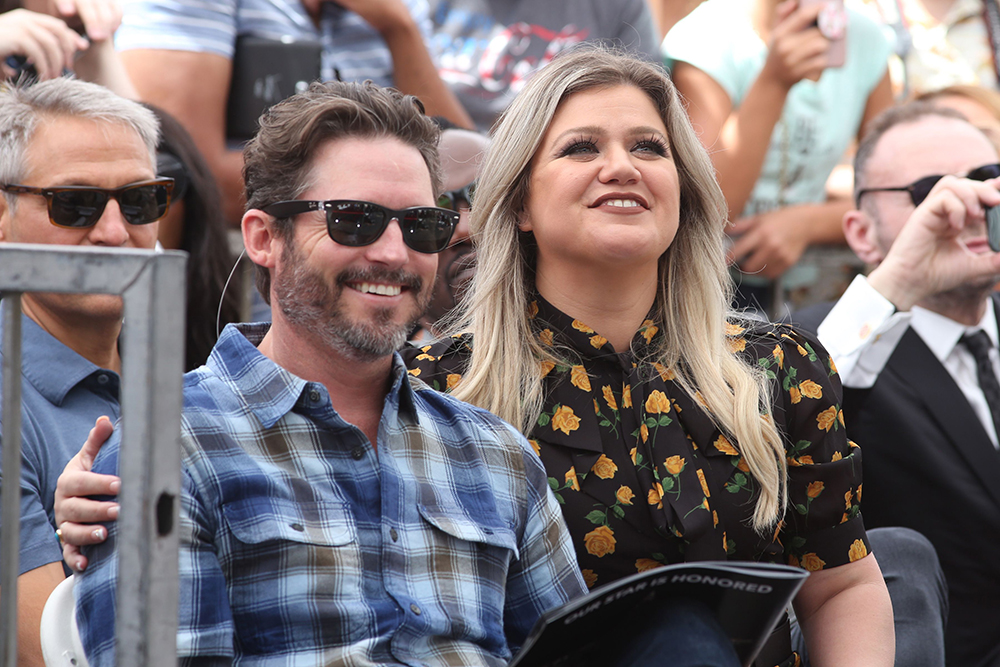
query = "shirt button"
{"x": 298, "y": 526}
{"x": 314, "y": 396}
{"x": 103, "y": 379}
{"x": 394, "y": 535}
{"x": 415, "y": 609}
{"x": 358, "y": 453}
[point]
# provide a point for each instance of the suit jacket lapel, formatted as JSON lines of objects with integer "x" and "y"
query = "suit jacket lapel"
{"x": 920, "y": 369}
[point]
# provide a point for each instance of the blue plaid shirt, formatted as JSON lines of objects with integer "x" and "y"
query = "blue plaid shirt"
{"x": 300, "y": 545}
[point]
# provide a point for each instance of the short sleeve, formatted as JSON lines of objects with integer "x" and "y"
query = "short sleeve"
{"x": 869, "y": 51}
{"x": 715, "y": 42}
{"x": 822, "y": 525}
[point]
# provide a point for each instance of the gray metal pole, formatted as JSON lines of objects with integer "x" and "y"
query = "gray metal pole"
{"x": 150, "y": 466}
{"x": 10, "y": 504}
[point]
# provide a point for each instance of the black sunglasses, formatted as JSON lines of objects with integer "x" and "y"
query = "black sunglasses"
{"x": 450, "y": 200}
{"x": 81, "y": 206}
{"x": 169, "y": 165}
{"x": 357, "y": 223}
{"x": 920, "y": 188}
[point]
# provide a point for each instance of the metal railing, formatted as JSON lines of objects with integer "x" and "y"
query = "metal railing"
{"x": 153, "y": 287}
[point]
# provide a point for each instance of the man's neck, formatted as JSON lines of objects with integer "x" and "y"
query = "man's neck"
{"x": 94, "y": 339}
{"x": 357, "y": 388}
{"x": 966, "y": 307}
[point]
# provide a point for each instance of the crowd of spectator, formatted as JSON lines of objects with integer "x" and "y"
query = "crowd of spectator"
{"x": 832, "y": 164}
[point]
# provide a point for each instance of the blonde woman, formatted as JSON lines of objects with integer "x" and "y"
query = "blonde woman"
{"x": 670, "y": 431}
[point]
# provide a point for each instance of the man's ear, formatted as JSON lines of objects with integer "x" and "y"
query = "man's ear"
{"x": 261, "y": 243}
{"x": 862, "y": 235}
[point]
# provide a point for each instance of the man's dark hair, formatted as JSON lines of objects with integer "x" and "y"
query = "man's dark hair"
{"x": 902, "y": 114}
{"x": 277, "y": 161}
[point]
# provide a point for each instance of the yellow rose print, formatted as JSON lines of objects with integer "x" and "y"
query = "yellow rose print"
{"x": 644, "y": 564}
{"x": 795, "y": 394}
{"x": 580, "y": 326}
{"x": 857, "y": 551}
{"x": 627, "y": 396}
{"x": 812, "y": 562}
{"x": 600, "y": 541}
{"x": 810, "y": 389}
{"x": 826, "y": 418}
{"x": 415, "y": 372}
{"x": 632, "y": 454}
{"x": 779, "y": 356}
{"x": 840, "y": 417}
{"x": 624, "y": 495}
{"x": 534, "y": 445}
{"x": 674, "y": 465}
{"x": 704, "y": 484}
{"x": 657, "y": 402}
{"x": 666, "y": 374}
{"x": 453, "y": 380}
{"x": 643, "y": 432}
{"x": 565, "y": 420}
{"x": 546, "y": 336}
{"x": 571, "y": 479}
{"x": 425, "y": 357}
{"x": 723, "y": 445}
{"x": 847, "y": 499}
{"x": 532, "y": 309}
{"x": 598, "y": 341}
{"x": 802, "y": 351}
{"x": 609, "y": 397}
{"x": 859, "y": 492}
{"x": 836, "y": 456}
{"x": 733, "y": 329}
{"x": 655, "y": 496}
{"x": 737, "y": 345}
{"x": 597, "y": 408}
{"x": 579, "y": 378}
{"x": 833, "y": 366}
{"x": 814, "y": 489}
{"x": 742, "y": 465}
{"x": 715, "y": 518}
{"x": 547, "y": 366}
{"x": 589, "y": 577}
{"x": 649, "y": 331}
{"x": 605, "y": 468}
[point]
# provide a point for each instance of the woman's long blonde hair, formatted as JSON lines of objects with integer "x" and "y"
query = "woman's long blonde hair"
{"x": 503, "y": 375}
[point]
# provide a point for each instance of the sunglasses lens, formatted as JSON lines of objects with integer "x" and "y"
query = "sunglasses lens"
{"x": 144, "y": 204}
{"x": 355, "y": 223}
{"x": 985, "y": 173}
{"x": 428, "y": 230}
{"x": 77, "y": 208}
{"x": 446, "y": 200}
{"x": 920, "y": 189}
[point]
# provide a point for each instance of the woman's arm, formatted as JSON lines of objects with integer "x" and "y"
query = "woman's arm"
{"x": 846, "y": 616}
{"x": 737, "y": 139}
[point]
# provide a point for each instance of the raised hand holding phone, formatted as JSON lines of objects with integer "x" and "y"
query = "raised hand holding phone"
{"x": 798, "y": 49}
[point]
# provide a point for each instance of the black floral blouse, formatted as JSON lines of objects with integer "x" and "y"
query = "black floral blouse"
{"x": 644, "y": 476}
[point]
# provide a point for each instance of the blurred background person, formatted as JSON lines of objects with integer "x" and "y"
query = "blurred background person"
{"x": 195, "y": 224}
{"x": 461, "y": 153}
{"x": 48, "y": 37}
{"x": 938, "y": 43}
{"x": 487, "y": 49}
{"x": 980, "y": 105}
{"x": 777, "y": 118}
{"x": 180, "y": 53}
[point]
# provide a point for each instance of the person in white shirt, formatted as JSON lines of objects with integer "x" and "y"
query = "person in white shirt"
{"x": 916, "y": 400}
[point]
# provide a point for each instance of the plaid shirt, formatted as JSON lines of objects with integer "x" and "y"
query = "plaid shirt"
{"x": 302, "y": 545}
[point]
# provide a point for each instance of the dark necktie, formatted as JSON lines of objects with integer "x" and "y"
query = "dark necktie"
{"x": 979, "y": 344}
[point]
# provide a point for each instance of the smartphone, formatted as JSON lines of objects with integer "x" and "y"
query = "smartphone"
{"x": 832, "y": 22}
{"x": 993, "y": 227}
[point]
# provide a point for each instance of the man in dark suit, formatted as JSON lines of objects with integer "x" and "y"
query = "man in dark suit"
{"x": 916, "y": 345}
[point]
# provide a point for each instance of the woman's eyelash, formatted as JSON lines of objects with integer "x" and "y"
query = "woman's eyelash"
{"x": 578, "y": 145}
{"x": 655, "y": 144}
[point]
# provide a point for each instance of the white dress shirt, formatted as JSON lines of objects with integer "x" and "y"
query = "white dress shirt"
{"x": 863, "y": 329}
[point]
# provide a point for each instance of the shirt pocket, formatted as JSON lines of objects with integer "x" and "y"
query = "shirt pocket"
{"x": 256, "y": 521}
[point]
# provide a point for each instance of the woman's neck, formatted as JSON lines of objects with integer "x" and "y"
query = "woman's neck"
{"x": 614, "y": 304}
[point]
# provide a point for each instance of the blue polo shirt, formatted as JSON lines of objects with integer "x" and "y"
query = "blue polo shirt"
{"x": 62, "y": 395}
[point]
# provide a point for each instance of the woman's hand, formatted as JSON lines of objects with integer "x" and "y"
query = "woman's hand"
{"x": 47, "y": 42}
{"x": 798, "y": 50}
{"x": 100, "y": 18}
{"x": 75, "y": 512}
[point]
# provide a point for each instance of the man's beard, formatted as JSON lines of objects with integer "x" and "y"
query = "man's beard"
{"x": 308, "y": 301}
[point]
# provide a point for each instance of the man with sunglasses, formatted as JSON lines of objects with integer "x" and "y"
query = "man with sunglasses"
{"x": 335, "y": 509}
{"x": 76, "y": 168}
{"x": 921, "y": 396}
